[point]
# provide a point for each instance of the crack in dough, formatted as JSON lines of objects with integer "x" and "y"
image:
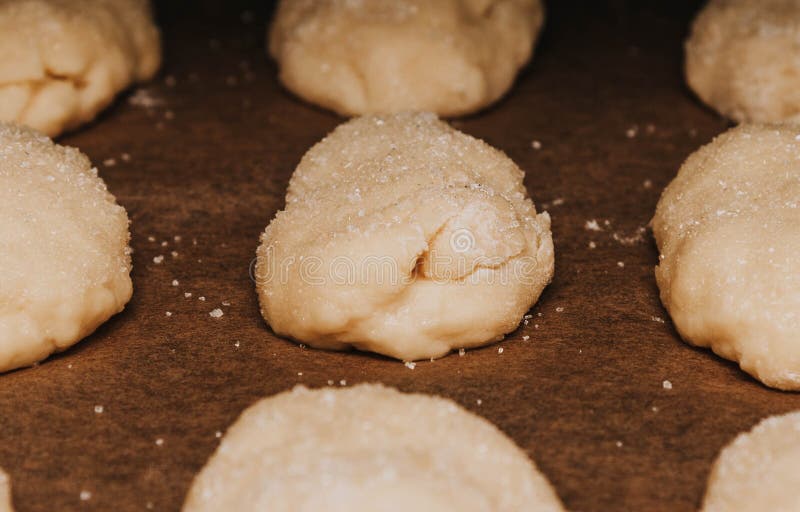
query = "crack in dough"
{"x": 62, "y": 62}
{"x": 405, "y": 237}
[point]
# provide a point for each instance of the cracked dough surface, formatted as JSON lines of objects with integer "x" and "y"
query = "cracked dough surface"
{"x": 367, "y": 448}
{"x": 63, "y": 61}
{"x": 5, "y": 493}
{"x": 758, "y": 471}
{"x": 728, "y": 228}
{"x": 64, "y": 257}
{"x": 451, "y": 57}
{"x": 743, "y": 59}
{"x": 405, "y": 237}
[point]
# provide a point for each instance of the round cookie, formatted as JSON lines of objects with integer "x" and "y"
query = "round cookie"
{"x": 64, "y": 256}
{"x": 405, "y": 237}
{"x": 758, "y": 471}
{"x": 451, "y": 57}
{"x": 62, "y": 62}
{"x": 742, "y": 58}
{"x": 5, "y": 493}
{"x": 728, "y": 228}
{"x": 367, "y": 448}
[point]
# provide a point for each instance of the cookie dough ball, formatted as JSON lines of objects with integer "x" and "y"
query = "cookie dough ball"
{"x": 728, "y": 228}
{"x": 743, "y": 59}
{"x": 758, "y": 471}
{"x": 64, "y": 257}
{"x": 367, "y": 449}
{"x": 5, "y": 493}
{"x": 451, "y": 57}
{"x": 63, "y": 61}
{"x": 405, "y": 237}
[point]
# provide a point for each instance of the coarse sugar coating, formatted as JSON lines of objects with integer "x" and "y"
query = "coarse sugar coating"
{"x": 728, "y": 228}
{"x": 405, "y": 237}
{"x": 743, "y": 59}
{"x": 64, "y": 256}
{"x": 63, "y": 61}
{"x": 451, "y": 57}
{"x": 759, "y": 470}
{"x": 367, "y": 448}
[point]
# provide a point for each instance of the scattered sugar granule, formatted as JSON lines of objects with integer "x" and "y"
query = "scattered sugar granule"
{"x": 526, "y": 338}
{"x": 174, "y": 254}
{"x": 201, "y": 298}
{"x": 98, "y": 409}
{"x": 158, "y": 259}
{"x": 218, "y": 434}
{"x": 461, "y": 352}
{"x": 410, "y": 365}
{"x": 619, "y": 444}
{"x": 85, "y": 495}
{"x": 151, "y": 239}
{"x": 126, "y": 157}
{"x": 654, "y": 409}
{"x": 657, "y": 319}
{"x": 666, "y": 385}
{"x": 216, "y": 313}
{"x": 177, "y": 238}
{"x": 175, "y": 282}
{"x": 632, "y": 131}
{"x": 188, "y": 295}
{"x": 648, "y": 184}
{"x": 109, "y": 162}
{"x": 558, "y": 201}
{"x": 621, "y": 264}
{"x": 226, "y": 303}
{"x": 592, "y": 225}
{"x": 143, "y": 98}
{"x": 536, "y": 145}
{"x": 535, "y": 326}
{"x": 559, "y": 309}
{"x": 592, "y": 245}
{"x": 159, "y": 442}
{"x": 236, "y": 344}
{"x": 299, "y": 374}
{"x": 500, "y": 350}
{"x": 479, "y": 401}
{"x": 164, "y": 243}
{"x": 330, "y": 383}
{"x": 168, "y": 314}
{"x": 342, "y": 382}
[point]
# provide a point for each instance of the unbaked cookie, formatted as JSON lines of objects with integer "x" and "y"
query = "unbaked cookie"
{"x": 728, "y": 228}
{"x": 64, "y": 257}
{"x": 371, "y": 449}
{"x": 743, "y": 59}
{"x": 62, "y": 61}
{"x": 759, "y": 471}
{"x": 5, "y": 493}
{"x": 405, "y": 237}
{"x": 451, "y": 57}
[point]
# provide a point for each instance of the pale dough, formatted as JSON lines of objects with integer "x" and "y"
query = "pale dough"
{"x": 5, "y": 493}
{"x": 743, "y": 59}
{"x": 451, "y": 57}
{"x": 728, "y": 228}
{"x": 759, "y": 471}
{"x": 404, "y": 237}
{"x": 62, "y": 61}
{"x": 64, "y": 257}
{"x": 367, "y": 449}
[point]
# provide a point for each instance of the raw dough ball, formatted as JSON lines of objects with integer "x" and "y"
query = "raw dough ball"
{"x": 371, "y": 449}
{"x": 759, "y": 471}
{"x": 743, "y": 59}
{"x": 62, "y": 61}
{"x": 383, "y": 56}
{"x": 64, "y": 257}
{"x": 5, "y": 493}
{"x": 728, "y": 228}
{"x": 405, "y": 237}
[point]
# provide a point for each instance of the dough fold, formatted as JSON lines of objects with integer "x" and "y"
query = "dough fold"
{"x": 405, "y": 237}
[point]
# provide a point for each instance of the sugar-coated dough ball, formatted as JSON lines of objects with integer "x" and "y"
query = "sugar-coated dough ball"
{"x": 63, "y": 61}
{"x": 405, "y": 237}
{"x": 743, "y": 59}
{"x": 367, "y": 449}
{"x": 728, "y": 228}
{"x": 64, "y": 257}
{"x": 5, "y": 493}
{"x": 759, "y": 471}
{"x": 451, "y": 57}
